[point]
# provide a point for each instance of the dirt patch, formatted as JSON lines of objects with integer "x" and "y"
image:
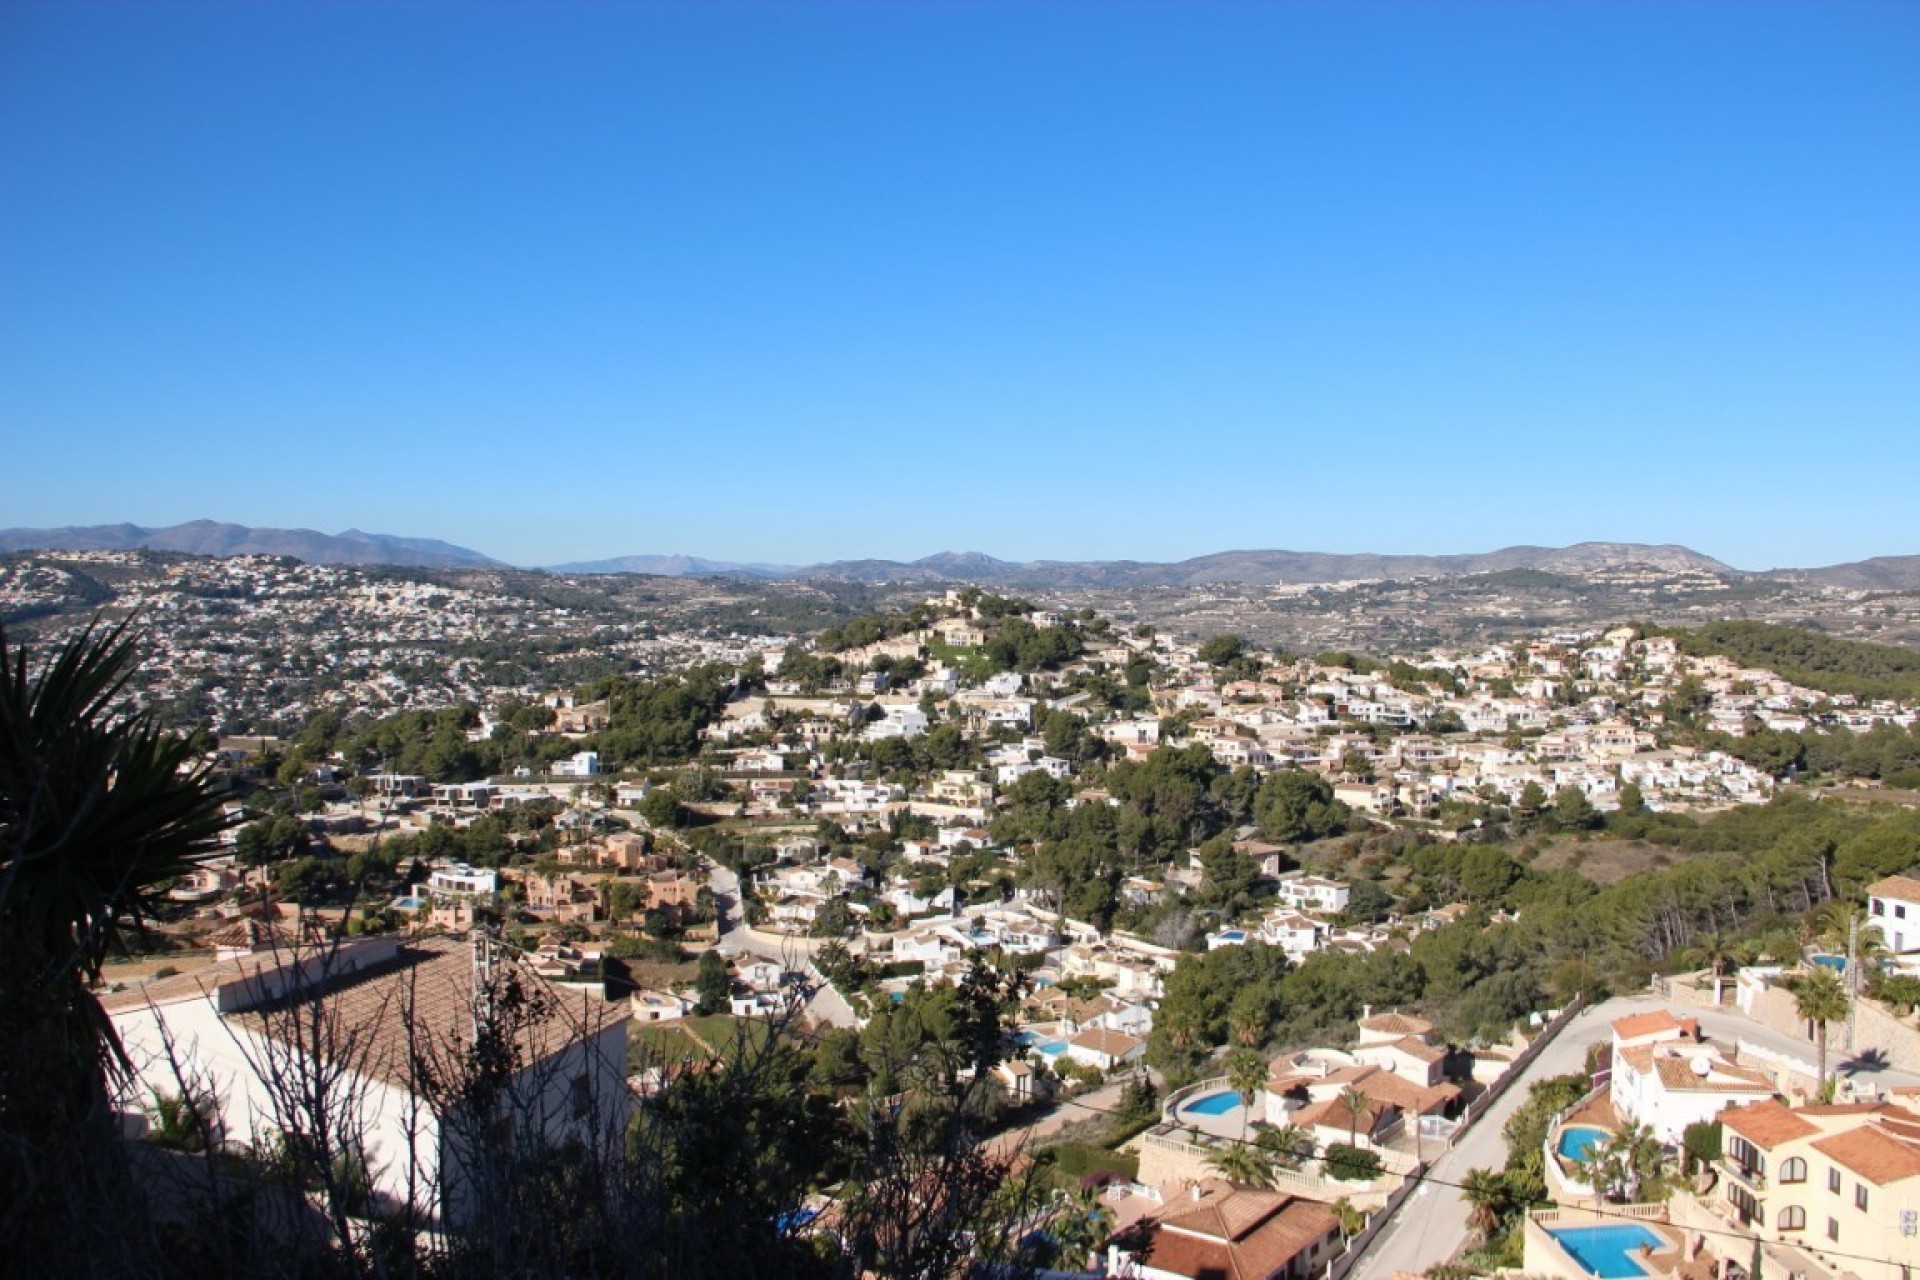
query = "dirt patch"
{"x": 1873, "y": 795}
{"x": 1603, "y": 861}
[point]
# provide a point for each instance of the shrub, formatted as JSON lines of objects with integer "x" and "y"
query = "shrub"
{"x": 1351, "y": 1164}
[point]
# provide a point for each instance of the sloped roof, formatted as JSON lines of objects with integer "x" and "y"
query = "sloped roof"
{"x": 1232, "y": 1233}
{"x": 1417, "y": 1049}
{"x": 1766, "y": 1124}
{"x": 1873, "y": 1154}
{"x": 1904, "y": 887}
{"x": 1105, "y": 1040}
{"x": 1635, "y": 1025}
{"x": 424, "y": 1002}
{"x": 1397, "y": 1023}
{"x": 1677, "y": 1073}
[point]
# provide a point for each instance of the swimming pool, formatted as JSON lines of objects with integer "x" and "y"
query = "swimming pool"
{"x": 1213, "y": 1104}
{"x": 1608, "y": 1252}
{"x": 1577, "y": 1140}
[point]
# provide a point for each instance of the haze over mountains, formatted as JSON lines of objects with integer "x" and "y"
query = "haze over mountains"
{"x": 212, "y": 538}
{"x": 1251, "y": 568}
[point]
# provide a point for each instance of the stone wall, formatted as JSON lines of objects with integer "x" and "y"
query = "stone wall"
{"x": 1896, "y": 1040}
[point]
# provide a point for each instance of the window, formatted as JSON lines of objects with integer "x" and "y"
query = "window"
{"x": 1879, "y": 907}
{"x": 1793, "y": 1169}
{"x": 1793, "y": 1218}
{"x": 1860, "y": 1195}
{"x": 1833, "y": 1181}
{"x": 1833, "y": 1229}
{"x": 1899, "y": 912}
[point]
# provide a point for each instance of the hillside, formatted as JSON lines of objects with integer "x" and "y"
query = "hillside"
{"x": 1809, "y": 658}
{"x": 213, "y": 538}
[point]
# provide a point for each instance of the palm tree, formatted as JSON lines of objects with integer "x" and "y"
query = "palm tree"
{"x": 1716, "y": 953}
{"x": 1351, "y": 1219}
{"x": 1080, "y": 1225}
{"x": 1625, "y": 1162}
{"x": 99, "y": 810}
{"x": 1243, "y": 1164}
{"x": 1820, "y": 998}
{"x": 1358, "y": 1106}
{"x": 1489, "y": 1198}
{"x": 1289, "y": 1147}
{"x": 1247, "y": 1074}
{"x": 1781, "y": 945}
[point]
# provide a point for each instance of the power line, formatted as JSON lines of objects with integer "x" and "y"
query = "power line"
{"x": 1319, "y": 1153}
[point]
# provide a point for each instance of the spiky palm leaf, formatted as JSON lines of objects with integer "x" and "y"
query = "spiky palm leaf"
{"x": 98, "y": 810}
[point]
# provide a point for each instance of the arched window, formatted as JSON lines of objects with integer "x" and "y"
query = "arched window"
{"x": 1793, "y": 1218}
{"x": 1793, "y": 1169}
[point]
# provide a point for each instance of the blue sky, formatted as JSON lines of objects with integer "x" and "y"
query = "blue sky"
{"x": 792, "y": 282}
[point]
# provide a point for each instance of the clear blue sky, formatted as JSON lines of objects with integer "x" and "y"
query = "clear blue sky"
{"x": 798, "y": 281}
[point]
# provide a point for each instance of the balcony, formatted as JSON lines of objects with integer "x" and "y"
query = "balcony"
{"x": 1748, "y": 1176}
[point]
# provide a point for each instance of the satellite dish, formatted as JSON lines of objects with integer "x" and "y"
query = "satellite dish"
{"x": 1703, "y": 1066}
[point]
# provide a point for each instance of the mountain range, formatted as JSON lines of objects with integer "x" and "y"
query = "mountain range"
{"x": 1250, "y": 568}
{"x": 211, "y": 538}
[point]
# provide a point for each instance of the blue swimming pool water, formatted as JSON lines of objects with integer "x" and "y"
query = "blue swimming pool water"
{"x": 1607, "y": 1252}
{"x": 1213, "y": 1104}
{"x": 1576, "y": 1142}
{"x": 1836, "y": 963}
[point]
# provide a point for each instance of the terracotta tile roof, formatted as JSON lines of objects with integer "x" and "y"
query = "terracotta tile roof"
{"x": 1335, "y": 1114}
{"x": 1905, "y": 887}
{"x": 1397, "y": 1023}
{"x": 1766, "y": 1124}
{"x": 1677, "y": 1074}
{"x": 1639, "y": 1057}
{"x": 1636, "y": 1025}
{"x": 1223, "y": 1211}
{"x": 1418, "y": 1050}
{"x": 250, "y": 933}
{"x": 1230, "y": 1233}
{"x": 1103, "y": 1040}
{"x": 1872, "y": 1154}
{"x": 425, "y": 999}
{"x": 187, "y": 986}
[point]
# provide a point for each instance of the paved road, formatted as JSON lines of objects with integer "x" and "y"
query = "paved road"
{"x": 1432, "y": 1225}
{"x": 825, "y": 1004}
{"x": 1047, "y": 1123}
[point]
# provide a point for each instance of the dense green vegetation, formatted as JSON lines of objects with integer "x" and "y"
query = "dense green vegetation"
{"x": 1174, "y": 800}
{"x": 1754, "y": 876}
{"x": 1810, "y": 658}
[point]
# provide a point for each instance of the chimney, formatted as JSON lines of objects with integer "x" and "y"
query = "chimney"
{"x": 1366, "y": 1011}
{"x": 1194, "y": 1190}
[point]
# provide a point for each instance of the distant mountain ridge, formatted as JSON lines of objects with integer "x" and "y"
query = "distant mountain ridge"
{"x": 212, "y": 538}
{"x": 679, "y": 566}
{"x": 1260, "y": 568}
{"x": 1881, "y": 573}
{"x": 1247, "y": 568}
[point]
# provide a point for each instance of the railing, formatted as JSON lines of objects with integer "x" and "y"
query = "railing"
{"x": 1520, "y": 1063}
{"x": 1340, "y": 1266}
{"x": 1747, "y": 1175}
{"x": 1587, "y": 1217}
{"x": 1307, "y": 1184}
{"x": 1178, "y": 1098}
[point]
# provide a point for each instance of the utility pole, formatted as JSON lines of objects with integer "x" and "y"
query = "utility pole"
{"x": 1853, "y": 974}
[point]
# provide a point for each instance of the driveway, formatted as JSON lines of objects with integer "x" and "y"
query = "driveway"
{"x": 1431, "y": 1225}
